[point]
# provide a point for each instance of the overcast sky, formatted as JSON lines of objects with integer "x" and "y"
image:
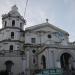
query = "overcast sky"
{"x": 60, "y": 13}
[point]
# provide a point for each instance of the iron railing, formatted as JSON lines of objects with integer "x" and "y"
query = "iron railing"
{"x": 52, "y": 72}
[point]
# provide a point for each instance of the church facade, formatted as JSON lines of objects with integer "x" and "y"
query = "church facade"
{"x": 43, "y": 46}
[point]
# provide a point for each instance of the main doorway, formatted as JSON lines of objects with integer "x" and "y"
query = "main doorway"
{"x": 66, "y": 61}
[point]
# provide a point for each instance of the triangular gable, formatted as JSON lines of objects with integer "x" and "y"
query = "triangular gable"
{"x": 46, "y": 27}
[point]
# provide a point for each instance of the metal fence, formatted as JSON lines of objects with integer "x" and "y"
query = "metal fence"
{"x": 53, "y": 72}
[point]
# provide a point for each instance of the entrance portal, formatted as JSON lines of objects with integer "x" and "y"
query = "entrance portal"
{"x": 8, "y": 65}
{"x": 66, "y": 61}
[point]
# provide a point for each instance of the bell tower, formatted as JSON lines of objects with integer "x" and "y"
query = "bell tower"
{"x": 13, "y": 19}
{"x": 13, "y": 29}
{"x": 12, "y": 42}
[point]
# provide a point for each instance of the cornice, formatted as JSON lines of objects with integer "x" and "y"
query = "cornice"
{"x": 9, "y": 16}
{"x": 14, "y": 53}
{"x": 55, "y": 46}
{"x": 9, "y": 40}
{"x": 11, "y": 28}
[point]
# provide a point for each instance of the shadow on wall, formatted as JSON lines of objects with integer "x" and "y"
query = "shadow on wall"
{"x": 8, "y": 65}
{"x": 3, "y": 72}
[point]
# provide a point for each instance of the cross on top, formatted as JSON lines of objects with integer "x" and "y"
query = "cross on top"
{"x": 47, "y": 20}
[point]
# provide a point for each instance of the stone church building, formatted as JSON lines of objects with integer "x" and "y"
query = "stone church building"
{"x": 42, "y": 46}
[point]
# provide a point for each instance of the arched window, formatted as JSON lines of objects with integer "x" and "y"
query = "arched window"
{"x": 12, "y": 35}
{"x": 33, "y": 40}
{"x": 11, "y": 48}
{"x": 13, "y": 22}
{"x": 5, "y": 23}
{"x": 43, "y": 61}
{"x": 34, "y": 60}
{"x": 20, "y": 25}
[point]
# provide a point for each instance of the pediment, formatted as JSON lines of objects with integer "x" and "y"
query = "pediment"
{"x": 46, "y": 27}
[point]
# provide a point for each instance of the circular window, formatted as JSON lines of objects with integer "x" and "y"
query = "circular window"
{"x": 49, "y": 36}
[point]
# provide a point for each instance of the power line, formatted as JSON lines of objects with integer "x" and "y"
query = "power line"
{"x": 25, "y": 8}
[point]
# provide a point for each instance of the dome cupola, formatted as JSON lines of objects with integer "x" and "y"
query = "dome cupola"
{"x": 13, "y": 19}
